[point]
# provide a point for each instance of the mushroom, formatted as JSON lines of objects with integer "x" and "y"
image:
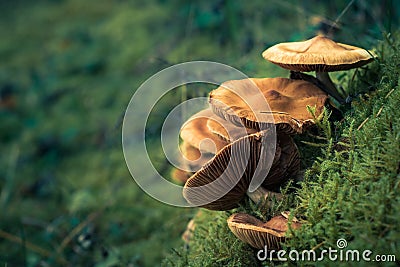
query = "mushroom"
{"x": 194, "y": 156}
{"x": 196, "y": 160}
{"x": 287, "y": 99}
{"x": 196, "y": 133}
{"x": 319, "y": 54}
{"x": 230, "y": 170}
{"x": 258, "y": 234}
{"x": 188, "y": 234}
{"x": 282, "y": 167}
{"x": 180, "y": 176}
{"x": 227, "y": 131}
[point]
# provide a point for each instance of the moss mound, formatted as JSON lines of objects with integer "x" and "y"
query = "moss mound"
{"x": 350, "y": 189}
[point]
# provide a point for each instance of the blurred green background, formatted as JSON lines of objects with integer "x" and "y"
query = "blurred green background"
{"x": 67, "y": 71}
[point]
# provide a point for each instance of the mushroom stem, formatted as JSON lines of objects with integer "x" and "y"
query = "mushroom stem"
{"x": 329, "y": 85}
{"x": 263, "y": 196}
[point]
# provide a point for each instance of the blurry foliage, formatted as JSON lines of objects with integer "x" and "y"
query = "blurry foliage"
{"x": 68, "y": 70}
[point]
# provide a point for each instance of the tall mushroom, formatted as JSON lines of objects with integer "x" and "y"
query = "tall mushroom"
{"x": 196, "y": 133}
{"x": 319, "y": 54}
{"x": 287, "y": 98}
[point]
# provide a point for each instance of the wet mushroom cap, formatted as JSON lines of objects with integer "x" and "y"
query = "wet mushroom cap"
{"x": 259, "y": 234}
{"x": 196, "y": 161}
{"x": 188, "y": 234}
{"x": 319, "y": 54}
{"x": 238, "y": 102}
{"x": 180, "y": 176}
{"x": 195, "y": 157}
{"x": 196, "y": 133}
{"x": 227, "y": 131}
{"x": 229, "y": 169}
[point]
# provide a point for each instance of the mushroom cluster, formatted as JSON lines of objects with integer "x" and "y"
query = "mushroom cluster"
{"x": 236, "y": 139}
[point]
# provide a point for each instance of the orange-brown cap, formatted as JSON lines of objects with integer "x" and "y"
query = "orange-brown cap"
{"x": 190, "y": 228}
{"x": 194, "y": 161}
{"x": 188, "y": 234}
{"x": 258, "y": 234}
{"x": 180, "y": 176}
{"x": 196, "y": 133}
{"x": 319, "y": 54}
{"x": 288, "y": 100}
{"x": 194, "y": 156}
{"x": 226, "y": 130}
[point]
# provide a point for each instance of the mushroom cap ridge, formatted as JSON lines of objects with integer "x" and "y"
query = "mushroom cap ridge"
{"x": 195, "y": 131}
{"x": 259, "y": 234}
{"x": 317, "y": 54}
{"x": 287, "y": 99}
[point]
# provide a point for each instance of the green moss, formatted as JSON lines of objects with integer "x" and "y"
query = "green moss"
{"x": 353, "y": 193}
{"x": 351, "y": 188}
{"x": 213, "y": 245}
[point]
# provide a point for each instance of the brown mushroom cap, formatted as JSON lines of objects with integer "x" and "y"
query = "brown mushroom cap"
{"x": 258, "y": 234}
{"x": 227, "y": 131}
{"x": 195, "y": 132}
{"x": 196, "y": 161}
{"x": 188, "y": 234}
{"x": 317, "y": 54}
{"x": 288, "y": 100}
{"x": 224, "y": 172}
{"x": 190, "y": 228}
{"x": 194, "y": 155}
{"x": 180, "y": 176}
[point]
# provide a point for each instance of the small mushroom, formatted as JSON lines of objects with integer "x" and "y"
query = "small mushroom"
{"x": 259, "y": 234}
{"x": 319, "y": 54}
{"x": 287, "y": 99}
{"x": 227, "y": 131}
{"x": 196, "y": 133}
{"x": 180, "y": 176}
{"x": 195, "y": 160}
{"x": 229, "y": 169}
{"x": 188, "y": 234}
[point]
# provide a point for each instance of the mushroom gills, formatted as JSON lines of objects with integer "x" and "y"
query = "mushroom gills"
{"x": 258, "y": 234}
